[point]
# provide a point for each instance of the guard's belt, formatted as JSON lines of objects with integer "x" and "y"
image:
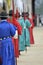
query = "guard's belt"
{"x": 5, "y": 38}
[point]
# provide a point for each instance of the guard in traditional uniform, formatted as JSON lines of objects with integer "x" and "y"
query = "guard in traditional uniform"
{"x": 15, "y": 41}
{"x": 21, "y": 37}
{"x": 31, "y": 28}
{"x": 7, "y": 31}
{"x": 24, "y": 39}
{"x": 27, "y": 25}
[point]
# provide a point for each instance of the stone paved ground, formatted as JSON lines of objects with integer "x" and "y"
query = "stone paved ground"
{"x": 34, "y": 54}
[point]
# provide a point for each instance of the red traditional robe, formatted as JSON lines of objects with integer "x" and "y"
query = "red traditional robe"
{"x": 31, "y": 31}
{"x": 15, "y": 41}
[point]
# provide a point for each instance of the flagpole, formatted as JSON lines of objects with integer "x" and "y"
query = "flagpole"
{"x": 13, "y": 17}
{"x": 13, "y": 7}
{"x": 4, "y": 5}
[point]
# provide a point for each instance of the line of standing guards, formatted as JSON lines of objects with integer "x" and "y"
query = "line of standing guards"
{"x": 16, "y": 34}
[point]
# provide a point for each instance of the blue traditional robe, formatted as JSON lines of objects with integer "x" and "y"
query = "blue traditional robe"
{"x": 6, "y": 46}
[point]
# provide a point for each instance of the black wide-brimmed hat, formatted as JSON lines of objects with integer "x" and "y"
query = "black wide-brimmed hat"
{"x": 3, "y": 15}
{"x": 10, "y": 12}
{"x": 25, "y": 14}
